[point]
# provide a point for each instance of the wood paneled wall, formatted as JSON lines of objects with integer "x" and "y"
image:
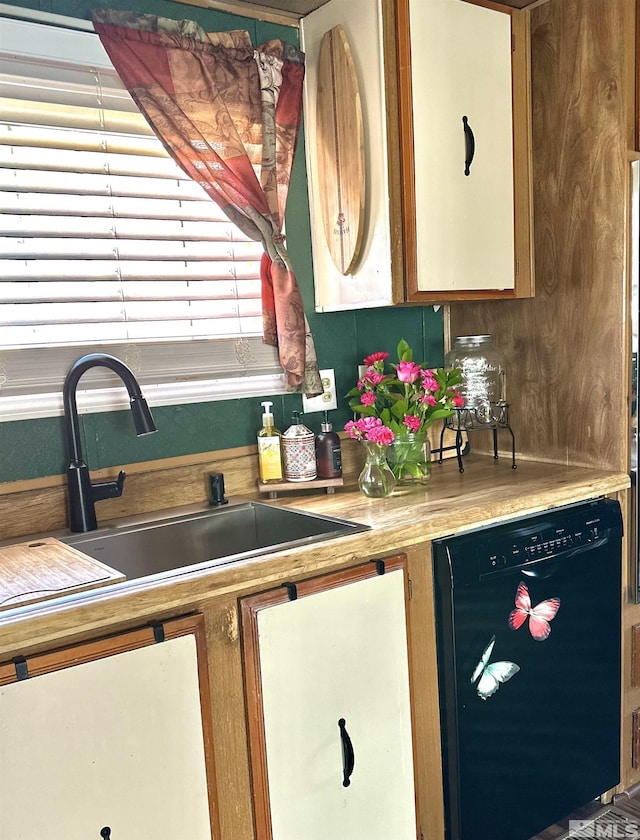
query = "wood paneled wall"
{"x": 566, "y": 350}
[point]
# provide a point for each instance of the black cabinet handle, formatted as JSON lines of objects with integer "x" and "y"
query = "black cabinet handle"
{"x": 348, "y": 756}
{"x": 469, "y": 146}
{"x": 105, "y": 833}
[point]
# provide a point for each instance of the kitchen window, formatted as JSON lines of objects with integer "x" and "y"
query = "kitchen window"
{"x": 107, "y": 245}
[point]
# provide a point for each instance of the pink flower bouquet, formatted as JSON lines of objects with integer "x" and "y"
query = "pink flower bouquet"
{"x": 397, "y": 407}
{"x": 369, "y": 428}
{"x": 407, "y": 399}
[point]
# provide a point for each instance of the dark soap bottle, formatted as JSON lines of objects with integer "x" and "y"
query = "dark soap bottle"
{"x": 328, "y": 452}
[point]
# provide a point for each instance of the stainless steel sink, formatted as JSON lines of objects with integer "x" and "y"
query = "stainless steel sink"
{"x": 209, "y": 536}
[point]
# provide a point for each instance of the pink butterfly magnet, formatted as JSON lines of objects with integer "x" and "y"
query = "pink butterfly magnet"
{"x": 539, "y": 616}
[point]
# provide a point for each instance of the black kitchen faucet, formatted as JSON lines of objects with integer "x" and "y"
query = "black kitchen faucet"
{"x": 82, "y": 493}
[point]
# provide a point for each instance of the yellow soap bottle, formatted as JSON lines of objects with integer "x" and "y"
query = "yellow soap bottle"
{"x": 269, "y": 447}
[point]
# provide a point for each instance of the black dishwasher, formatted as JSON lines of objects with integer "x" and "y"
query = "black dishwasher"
{"x": 528, "y": 633}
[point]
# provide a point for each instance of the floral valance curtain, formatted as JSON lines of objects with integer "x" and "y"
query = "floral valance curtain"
{"x": 229, "y": 114}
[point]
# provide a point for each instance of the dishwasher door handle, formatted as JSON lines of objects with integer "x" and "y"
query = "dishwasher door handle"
{"x": 545, "y": 569}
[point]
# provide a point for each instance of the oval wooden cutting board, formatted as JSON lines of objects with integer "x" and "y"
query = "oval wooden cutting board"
{"x": 340, "y": 150}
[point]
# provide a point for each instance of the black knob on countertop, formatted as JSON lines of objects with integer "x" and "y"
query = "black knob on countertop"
{"x": 216, "y": 489}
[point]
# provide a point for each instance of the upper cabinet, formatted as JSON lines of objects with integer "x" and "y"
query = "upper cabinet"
{"x": 444, "y": 91}
{"x": 465, "y": 150}
{"x": 370, "y": 278}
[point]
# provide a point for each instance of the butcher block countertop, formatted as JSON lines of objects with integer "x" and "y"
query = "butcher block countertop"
{"x": 489, "y": 491}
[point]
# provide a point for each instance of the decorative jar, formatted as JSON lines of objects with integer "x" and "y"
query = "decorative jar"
{"x": 376, "y": 479}
{"x": 482, "y": 371}
{"x": 410, "y": 458}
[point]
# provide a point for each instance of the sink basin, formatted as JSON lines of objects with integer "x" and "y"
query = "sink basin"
{"x": 210, "y": 536}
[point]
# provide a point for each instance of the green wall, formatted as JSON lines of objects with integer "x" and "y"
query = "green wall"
{"x": 33, "y": 448}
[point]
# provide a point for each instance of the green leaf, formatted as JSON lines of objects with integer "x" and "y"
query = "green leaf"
{"x": 412, "y": 468}
{"x": 405, "y": 354}
{"x": 392, "y": 382}
{"x": 365, "y": 410}
{"x": 440, "y": 413}
{"x": 399, "y": 409}
{"x": 448, "y": 378}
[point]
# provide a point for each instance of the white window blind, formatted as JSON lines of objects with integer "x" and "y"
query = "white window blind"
{"x": 104, "y": 242}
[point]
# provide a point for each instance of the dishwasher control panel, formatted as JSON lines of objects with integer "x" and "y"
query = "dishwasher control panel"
{"x": 504, "y": 547}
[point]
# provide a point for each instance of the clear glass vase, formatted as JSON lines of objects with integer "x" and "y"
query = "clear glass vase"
{"x": 410, "y": 458}
{"x": 376, "y": 479}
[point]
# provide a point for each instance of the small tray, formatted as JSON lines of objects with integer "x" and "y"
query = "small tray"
{"x": 272, "y": 487}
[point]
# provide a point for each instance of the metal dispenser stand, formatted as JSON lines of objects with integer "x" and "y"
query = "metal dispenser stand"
{"x": 492, "y": 416}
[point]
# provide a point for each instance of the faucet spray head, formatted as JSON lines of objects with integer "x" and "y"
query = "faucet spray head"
{"x": 142, "y": 419}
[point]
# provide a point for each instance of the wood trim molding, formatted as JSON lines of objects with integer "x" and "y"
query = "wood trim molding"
{"x": 635, "y": 742}
{"x": 407, "y": 160}
{"x": 522, "y": 155}
{"x": 522, "y": 5}
{"x": 255, "y": 717}
{"x": 67, "y": 657}
{"x": 395, "y": 153}
{"x": 248, "y": 10}
{"x": 635, "y": 655}
{"x": 632, "y": 26}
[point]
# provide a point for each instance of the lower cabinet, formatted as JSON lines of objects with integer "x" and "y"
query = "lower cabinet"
{"x": 328, "y": 704}
{"x": 109, "y": 740}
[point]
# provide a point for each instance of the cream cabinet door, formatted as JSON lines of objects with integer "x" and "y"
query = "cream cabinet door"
{"x": 461, "y": 68}
{"x": 330, "y": 709}
{"x": 111, "y": 748}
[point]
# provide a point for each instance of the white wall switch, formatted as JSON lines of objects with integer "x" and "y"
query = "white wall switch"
{"x": 326, "y": 401}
